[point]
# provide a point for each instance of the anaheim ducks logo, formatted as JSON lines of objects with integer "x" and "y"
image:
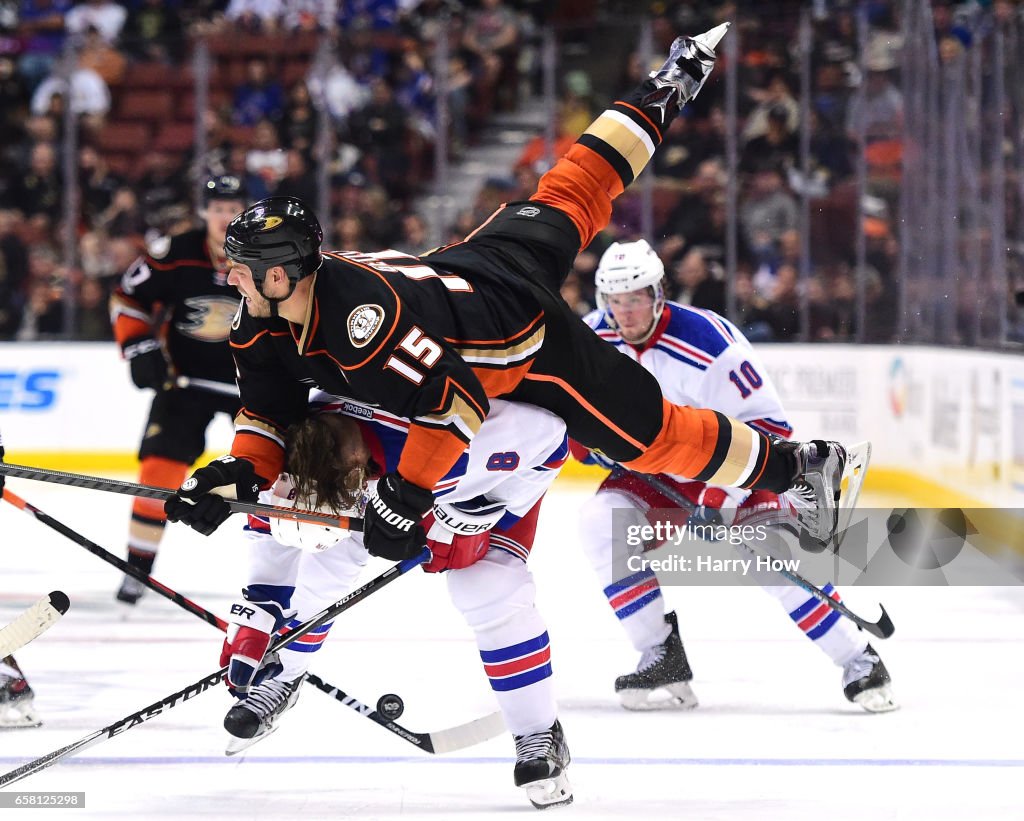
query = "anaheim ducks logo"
{"x": 208, "y": 319}
{"x": 363, "y": 323}
{"x": 270, "y": 223}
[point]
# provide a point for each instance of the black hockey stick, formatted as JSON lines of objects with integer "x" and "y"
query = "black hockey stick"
{"x": 882, "y": 629}
{"x": 439, "y": 741}
{"x": 213, "y": 679}
{"x": 150, "y": 492}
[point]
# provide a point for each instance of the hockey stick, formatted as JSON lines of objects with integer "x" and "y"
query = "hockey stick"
{"x": 438, "y": 741}
{"x": 883, "y": 628}
{"x": 35, "y": 621}
{"x": 151, "y": 492}
{"x": 208, "y": 385}
{"x": 213, "y": 679}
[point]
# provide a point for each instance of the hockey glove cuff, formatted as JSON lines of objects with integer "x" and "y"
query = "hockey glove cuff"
{"x": 391, "y": 524}
{"x": 146, "y": 359}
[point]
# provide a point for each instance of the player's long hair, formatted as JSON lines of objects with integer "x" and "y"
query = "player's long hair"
{"x": 320, "y": 477}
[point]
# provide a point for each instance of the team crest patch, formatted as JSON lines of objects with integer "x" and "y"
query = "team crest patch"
{"x": 363, "y": 323}
{"x": 270, "y": 223}
{"x": 528, "y": 211}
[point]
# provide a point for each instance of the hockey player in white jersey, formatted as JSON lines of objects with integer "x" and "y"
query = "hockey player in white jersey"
{"x": 699, "y": 359}
{"x": 16, "y": 697}
{"x": 480, "y": 531}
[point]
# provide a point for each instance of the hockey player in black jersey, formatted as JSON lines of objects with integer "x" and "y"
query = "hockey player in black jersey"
{"x": 172, "y": 316}
{"x": 433, "y": 338}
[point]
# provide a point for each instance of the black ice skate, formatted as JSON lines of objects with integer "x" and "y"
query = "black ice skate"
{"x": 541, "y": 761}
{"x": 661, "y": 680}
{"x": 689, "y": 64}
{"x": 866, "y": 682}
{"x": 130, "y": 591}
{"x": 257, "y": 715}
{"x": 16, "y": 698}
{"x": 815, "y": 495}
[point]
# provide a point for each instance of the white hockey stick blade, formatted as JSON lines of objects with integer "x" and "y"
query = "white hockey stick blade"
{"x": 35, "y": 621}
{"x": 467, "y": 735}
{"x": 857, "y": 461}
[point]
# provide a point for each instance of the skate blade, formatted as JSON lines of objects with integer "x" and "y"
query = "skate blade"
{"x": 711, "y": 38}
{"x": 877, "y": 700}
{"x": 549, "y": 792}
{"x": 237, "y": 745}
{"x": 676, "y": 696}
{"x": 858, "y": 458}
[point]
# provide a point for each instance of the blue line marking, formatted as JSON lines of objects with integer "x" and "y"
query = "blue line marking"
{"x": 593, "y": 761}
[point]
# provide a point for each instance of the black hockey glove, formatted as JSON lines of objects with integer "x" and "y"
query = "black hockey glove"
{"x": 147, "y": 362}
{"x": 391, "y": 523}
{"x": 199, "y": 507}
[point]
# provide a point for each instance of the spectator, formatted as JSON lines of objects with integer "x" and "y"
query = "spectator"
{"x": 254, "y": 15}
{"x": 414, "y": 234}
{"x": 767, "y": 211}
{"x": 698, "y": 283}
{"x": 106, "y": 16}
{"x": 123, "y": 217}
{"x": 298, "y": 180}
{"x": 39, "y": 191}
{"x": 238, "y": 165}
{"x": 154, "y": 31}
{"x": 339, "y": 91}
{"x": 880, "y": 113}
{"x": 89, "y": 94}
{"x": 784, "y": 305}
{"x": 162, "y": 187}
{"x": 752, "y": 315}
{"x": 778, "y": 147}
{"x": 775, "y": 94}
{"x": 689, "y": 222}
{"x": 96, "y": 184}
{"x": 265, "y": 159}
{"x": 378, "y": 130}
{"x": 572, "y": 293}
{"x": 13, "y": 101}
{"x": 42, "y": 31}
{"x": 259, "y": 97}
{"x": 308, "y": 15}
{"x": 298, "y": 127}
{"x": 92, "y": 319}
{"x": 13, "y": 273}
{"x": 492, "y": 34}
{"x": 97, "y": 54}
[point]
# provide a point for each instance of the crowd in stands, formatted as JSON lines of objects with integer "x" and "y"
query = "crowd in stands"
{"x": 376, "y": 86}
{"x": 280, "y": 73}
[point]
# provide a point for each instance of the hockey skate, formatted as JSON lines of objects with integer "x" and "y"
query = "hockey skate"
{"x": 662, "y": 678}
{"x": 815, "y": 495}
{"x": 16, "y": 706}
{"x": 257, "y": 715}
{"x": 541, "y": 761}
{"x": 130, "y": 591}
{"x": 689, "y": 64}
{"x": 866, "y": 682}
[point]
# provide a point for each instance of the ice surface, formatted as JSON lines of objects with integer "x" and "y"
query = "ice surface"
{"x": 773, "y": 738}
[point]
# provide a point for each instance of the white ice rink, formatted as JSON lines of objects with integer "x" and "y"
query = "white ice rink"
{"x": 773, "y": 738}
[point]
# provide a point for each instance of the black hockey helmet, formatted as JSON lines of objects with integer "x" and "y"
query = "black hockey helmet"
{"x": 224, "y": 187}
{"x": 276, "y": 231}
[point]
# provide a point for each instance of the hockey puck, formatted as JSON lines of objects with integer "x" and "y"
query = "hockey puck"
{"x": 390, "y": 706}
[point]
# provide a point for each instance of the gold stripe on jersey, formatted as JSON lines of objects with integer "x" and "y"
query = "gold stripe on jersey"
{"x": 244, "y": 423}
{"x": 460, "y": 414}
{"x": 507, "y": 355}
{"x": 625, "y": 138}
{"x": 742, "y": 457}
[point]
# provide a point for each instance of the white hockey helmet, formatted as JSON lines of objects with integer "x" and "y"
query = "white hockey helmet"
{"x": 630, "y": 266}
